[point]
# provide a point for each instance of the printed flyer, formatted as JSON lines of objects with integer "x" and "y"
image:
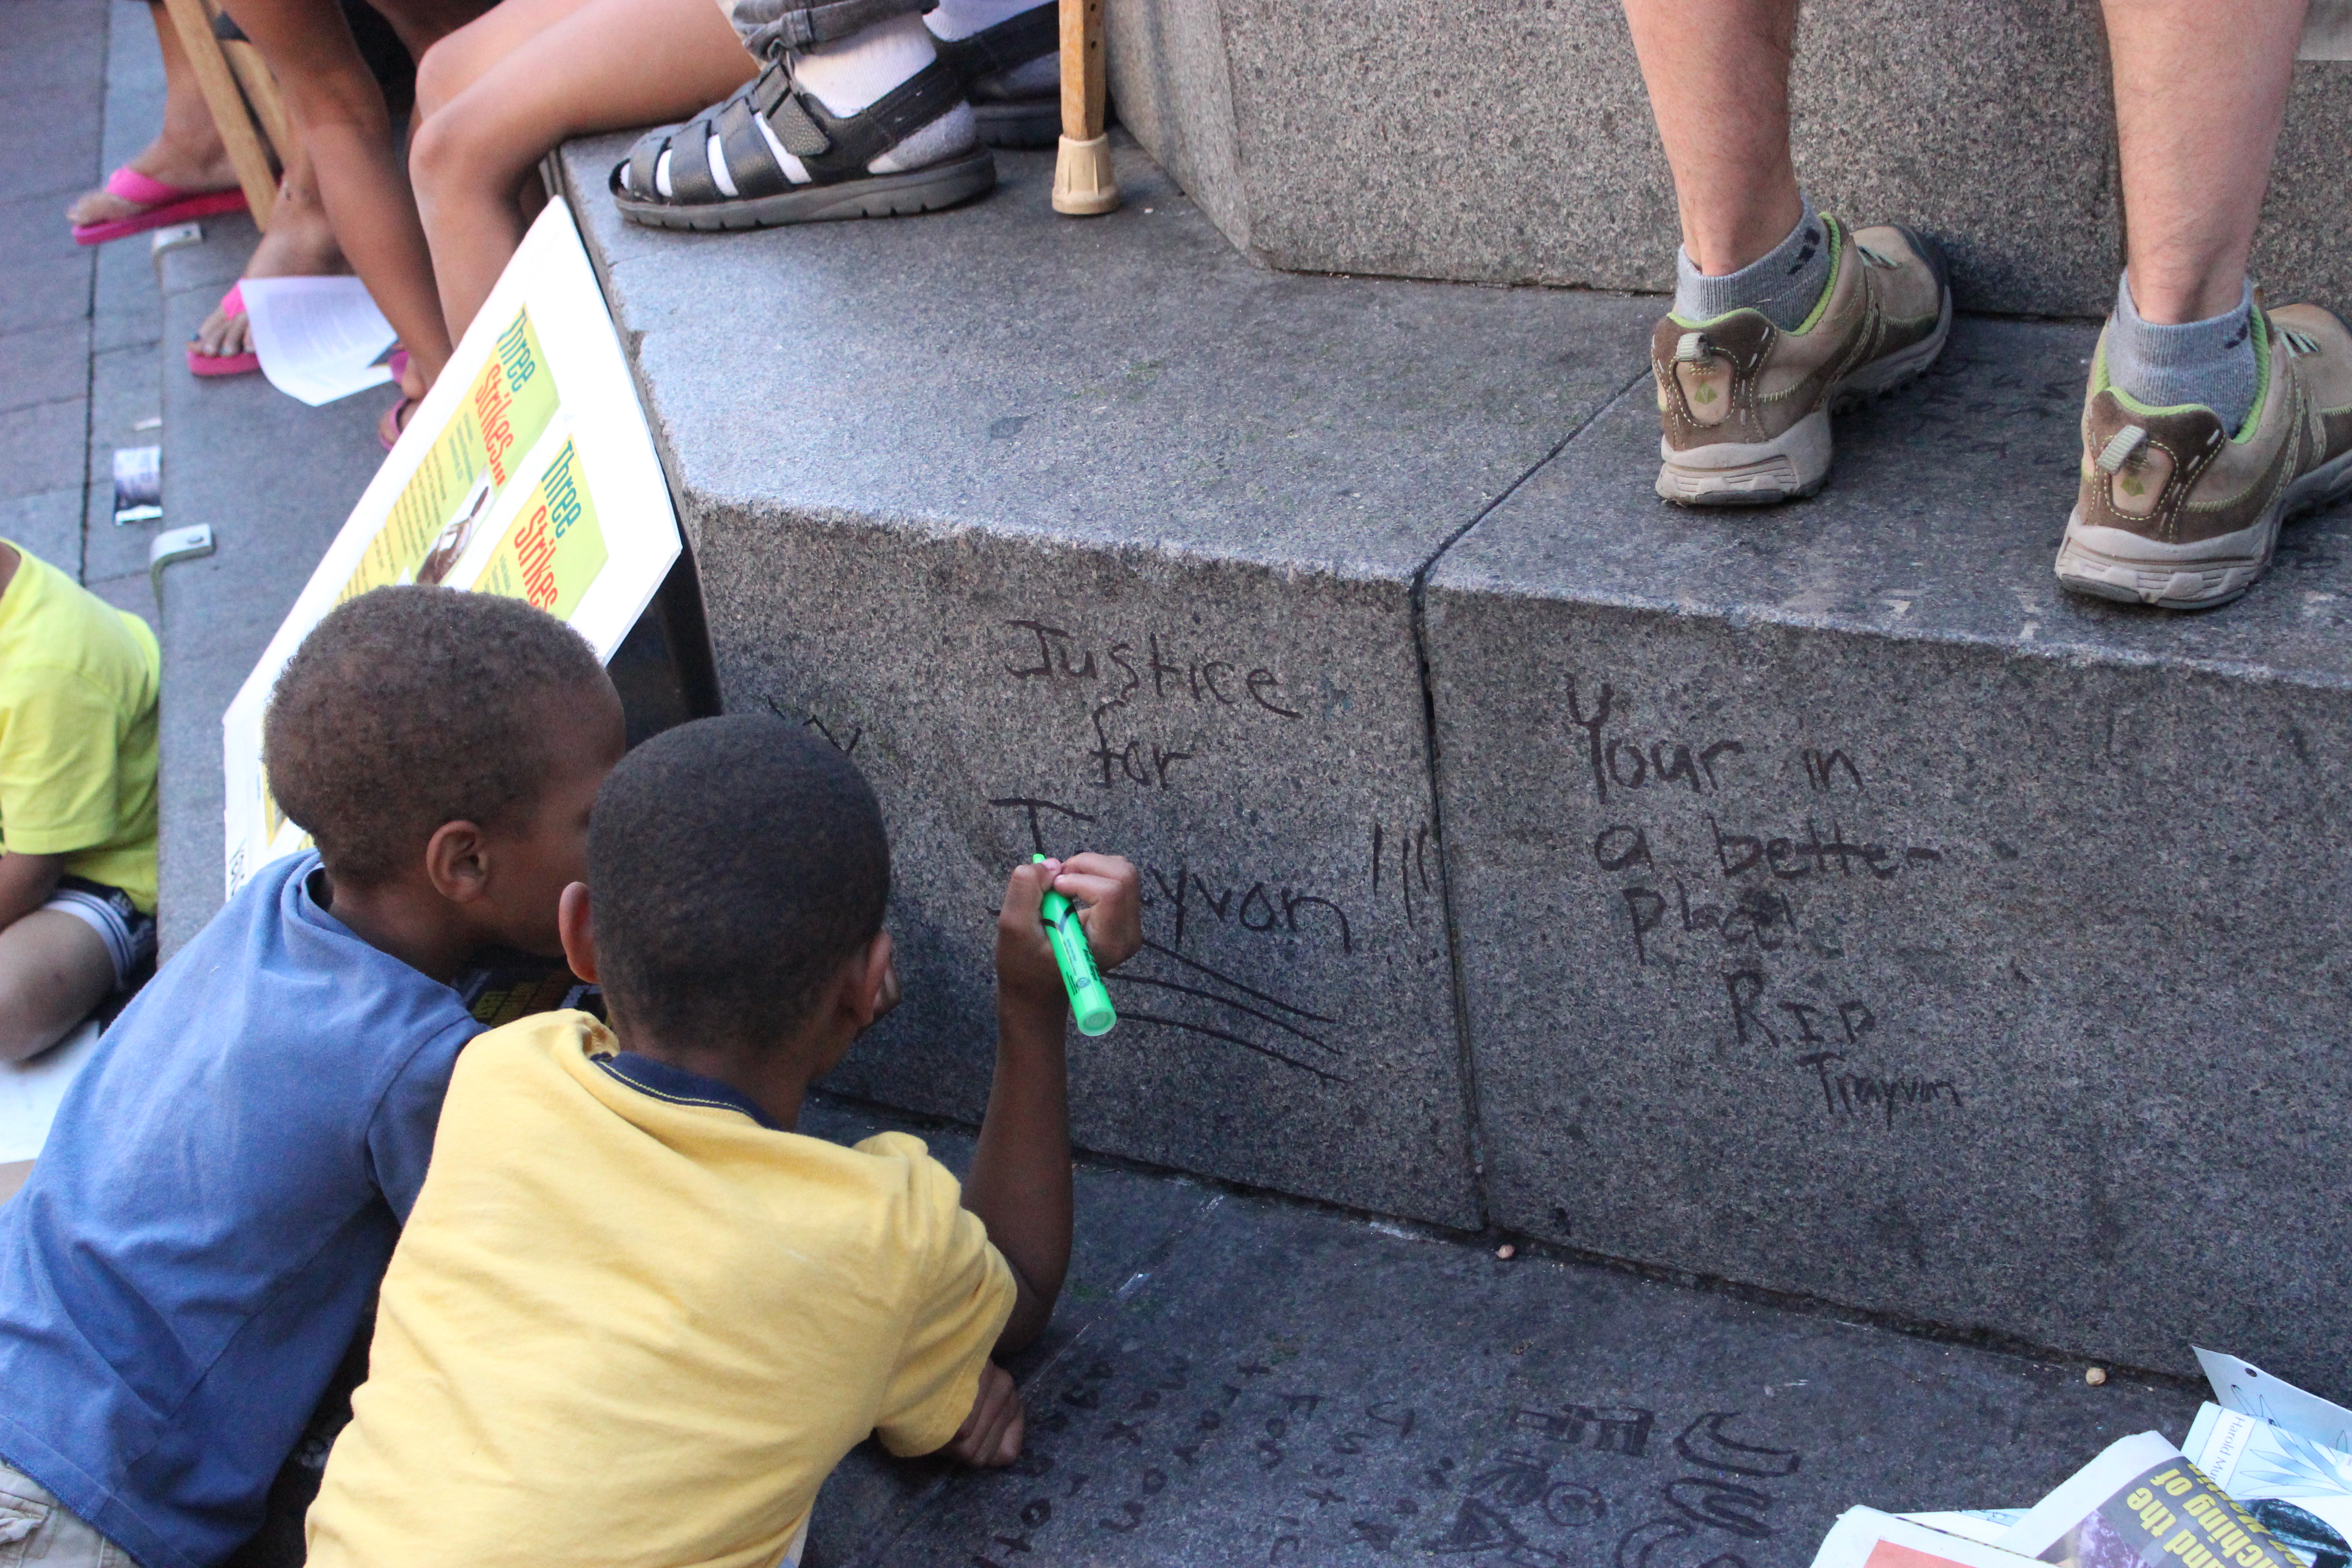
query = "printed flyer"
{"x": 528, "y": 470}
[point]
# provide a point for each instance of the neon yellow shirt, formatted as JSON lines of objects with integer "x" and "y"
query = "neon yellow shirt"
{"x": 78, "y": 749}
{"x": 637, "y": 1331}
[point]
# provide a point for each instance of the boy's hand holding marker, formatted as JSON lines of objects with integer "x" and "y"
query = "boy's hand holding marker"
{"x": 1020, "y": 1183}
{"x": 1106, "y": 890}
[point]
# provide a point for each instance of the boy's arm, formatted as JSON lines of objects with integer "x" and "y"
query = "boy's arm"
{"x": 25, "y": 883}
{"x": 1020, "y": 1183}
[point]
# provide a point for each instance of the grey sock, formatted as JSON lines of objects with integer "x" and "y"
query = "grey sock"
{"x": 1784, "y": 284}
{"x": 2209, "y": 362}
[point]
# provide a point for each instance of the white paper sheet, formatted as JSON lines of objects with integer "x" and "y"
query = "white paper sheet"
{"x": 29, "y": 1093}
{"x": 2242, "y": 1386}
{"x": 318, "y": 337}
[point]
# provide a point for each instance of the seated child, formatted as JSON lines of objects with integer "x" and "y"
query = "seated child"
{"x": 78, "y": 754}
{"x": 199, "y": 1241}
{"x": 635, "y": 1319}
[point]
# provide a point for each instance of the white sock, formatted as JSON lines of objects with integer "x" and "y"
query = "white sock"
{"x": 850, "y": 73}
{"x": 962, "y": 18}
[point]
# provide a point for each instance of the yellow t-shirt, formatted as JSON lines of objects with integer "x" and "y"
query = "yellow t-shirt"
{"x": 78, "y": 749}
{"x": 631, "y": 1326}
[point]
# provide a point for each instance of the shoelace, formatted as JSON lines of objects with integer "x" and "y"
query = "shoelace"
{"x": 1692, "y": 348}
{"x": 2299, "y": 344}
{"x": 1873, "y": 257}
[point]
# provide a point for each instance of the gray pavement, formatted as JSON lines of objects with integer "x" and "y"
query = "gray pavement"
{"x": 81, "y": 91}
{"x": 1236, "y": 1379}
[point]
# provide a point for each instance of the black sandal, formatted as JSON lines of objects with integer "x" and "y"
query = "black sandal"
{"x": 1011, "y": 116}
{"x": 836, "y": 151}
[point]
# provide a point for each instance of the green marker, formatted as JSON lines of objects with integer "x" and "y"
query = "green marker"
{"x": 1090, "y": 1002}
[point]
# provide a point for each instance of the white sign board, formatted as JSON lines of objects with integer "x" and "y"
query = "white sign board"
{"x": 528, "y": 470}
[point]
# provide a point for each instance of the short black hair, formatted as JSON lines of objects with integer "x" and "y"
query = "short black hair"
{"x": 407, "y": 707}
{"x": 736, "y": 864}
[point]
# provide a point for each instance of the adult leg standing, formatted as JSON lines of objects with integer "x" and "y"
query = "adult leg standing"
{"x": 2198, "y": 431}
{"x": 1778, "y": 310}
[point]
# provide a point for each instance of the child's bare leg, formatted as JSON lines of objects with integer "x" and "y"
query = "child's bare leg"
{"x": 339, "y": 112}
{"x": 499, "y": 94}
{"x": 186, "y": 153}
{"x": 300, "y": 244}
{"x": 53, "y": 970}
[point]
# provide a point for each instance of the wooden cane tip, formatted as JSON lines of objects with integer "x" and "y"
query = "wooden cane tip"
{"x": 1084, "y": 183}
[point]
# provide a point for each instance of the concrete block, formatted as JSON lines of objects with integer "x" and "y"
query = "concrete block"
{"x": 123, "y": 392}
{"x": 1173, "y": 84}
{"x": 61, "y": 119}
{"x": 126, "y": 310}
{"x": 44, "y": 364}
{"x": 1097, "y": 516}
{"x": 135, "y": 593}
{"x": 1276, "y": 1385}
{"x": 1843, "y": 910}
{"x": 47, "y": 523}
{"x": 41, "y": 447}
{"x": 1514, "y": 142}
{"x": 50, "y": 274}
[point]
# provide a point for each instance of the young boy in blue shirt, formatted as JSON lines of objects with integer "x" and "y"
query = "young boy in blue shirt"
{"x": 201, "y": 1238}
{"x": 636, "y": 1318}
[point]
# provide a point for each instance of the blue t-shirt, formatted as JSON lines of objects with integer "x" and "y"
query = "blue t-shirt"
{"x": 213, "y": 1210}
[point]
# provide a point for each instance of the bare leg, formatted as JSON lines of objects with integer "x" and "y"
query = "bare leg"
{"x": 186, "y": 153}
{"x": 499, "y": 94}
{"x": 53, "y": 970}
{"x": 300, "y": 244}
{"x": 339, "y": 112}
{"x": 2200, "y": 91}
{"x": 1717, "y": 72}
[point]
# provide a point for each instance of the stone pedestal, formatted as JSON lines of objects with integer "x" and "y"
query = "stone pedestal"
{"x": 1846, "y": 910}
{"x": 1512, "y": 143}
{"x": 1091, "y": 535}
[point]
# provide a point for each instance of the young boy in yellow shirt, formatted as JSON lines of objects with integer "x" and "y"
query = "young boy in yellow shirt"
{"x": 78, "y": 754}
{"x": 634, "y": 1318}
{"x": 198, "y": 1243}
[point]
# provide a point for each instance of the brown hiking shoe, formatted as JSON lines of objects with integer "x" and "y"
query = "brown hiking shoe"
{"x": 2175, "y": 511}
{"x": 1747, "y": 406}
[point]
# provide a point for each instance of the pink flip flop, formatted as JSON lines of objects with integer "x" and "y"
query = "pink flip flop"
{"x": 232, "y": 304}
{"x": 394, "y": 421}
{"x": 165, "y": 204}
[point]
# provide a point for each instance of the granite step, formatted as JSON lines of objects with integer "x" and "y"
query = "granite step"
{"x": 2006, "y": 997}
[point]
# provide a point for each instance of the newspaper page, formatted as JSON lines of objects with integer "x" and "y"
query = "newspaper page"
{"x": 528, "y": 470}
{"x": 1985, "y": 1524}
{"x": 1865, "y": 1537}
{"x": 2300, "y": 1490}
{"x": 2141, "y": 1504}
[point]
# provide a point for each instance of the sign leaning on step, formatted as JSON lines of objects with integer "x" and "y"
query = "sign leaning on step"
{"x": 528, "y": 470}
